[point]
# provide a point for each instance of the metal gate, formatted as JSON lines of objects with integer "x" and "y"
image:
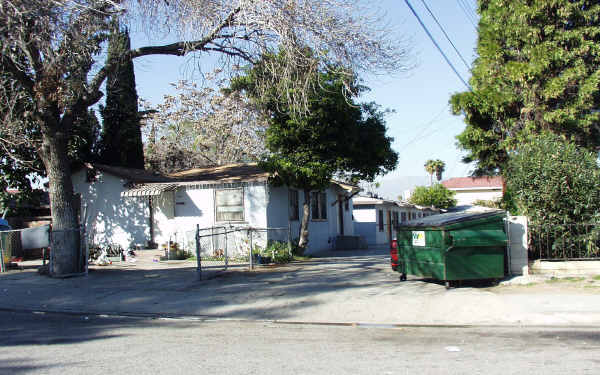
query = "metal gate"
{"x": 220, "y": 248}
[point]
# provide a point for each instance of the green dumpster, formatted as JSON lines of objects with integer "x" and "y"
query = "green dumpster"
{"x": 452, "y": 247}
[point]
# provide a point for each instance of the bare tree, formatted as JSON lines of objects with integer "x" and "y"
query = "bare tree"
{"x": 49, "y": 55}
{"x": 202, "y": 127}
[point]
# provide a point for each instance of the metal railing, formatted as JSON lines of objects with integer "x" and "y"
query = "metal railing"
{"x": 572, "y": 241}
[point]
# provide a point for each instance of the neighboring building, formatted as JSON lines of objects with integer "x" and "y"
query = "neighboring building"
{"x": 129, "y": 206}
{"x": 470, "y": 189}
{"x": 376, "y": 219}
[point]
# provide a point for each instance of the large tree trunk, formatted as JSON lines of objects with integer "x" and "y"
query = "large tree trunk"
{"x": 303, "y": 241}
{"x": 65, "y": 241}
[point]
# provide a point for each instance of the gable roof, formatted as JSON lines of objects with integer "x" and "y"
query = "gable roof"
{"x": 484, "y": 182}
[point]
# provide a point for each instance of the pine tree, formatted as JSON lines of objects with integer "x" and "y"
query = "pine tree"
{"x": 121, "y": 134}
{"x": 538, "y": 68}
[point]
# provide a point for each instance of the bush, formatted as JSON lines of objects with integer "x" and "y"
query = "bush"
{"x": 554, "y": 182}
{"x": 276, "y": 251}
{"x": 437, "y": 196}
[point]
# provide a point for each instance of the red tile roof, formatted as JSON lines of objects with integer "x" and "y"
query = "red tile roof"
{"x": 473, "y": 182}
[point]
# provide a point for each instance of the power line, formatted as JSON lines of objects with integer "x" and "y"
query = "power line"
{"x": 471, "y": 9}
{"x": 462, "y": 7}
{"x": 446, "y": 35}
{"x": 437, "y": 45}
{"x": 464, "y": 4}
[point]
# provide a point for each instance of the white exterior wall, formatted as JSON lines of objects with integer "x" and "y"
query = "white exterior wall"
{"x": 112, "y": 219}
{"x": 321, "y": 233}
{"x": 370, "y": 218}
{"x": 176, "y": 214}
{"x": 468, "y": 197}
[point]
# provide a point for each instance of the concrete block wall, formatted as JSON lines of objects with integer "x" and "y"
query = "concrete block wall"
{"x": 517, "y": 244}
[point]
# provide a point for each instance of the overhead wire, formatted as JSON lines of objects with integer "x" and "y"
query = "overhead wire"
{"x": 446, "y": 35}
{"x": 466, "y": 12}
{"x": 437, "y": 45}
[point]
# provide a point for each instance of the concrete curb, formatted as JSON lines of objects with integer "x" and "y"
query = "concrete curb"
{"x": 215, "y": 319}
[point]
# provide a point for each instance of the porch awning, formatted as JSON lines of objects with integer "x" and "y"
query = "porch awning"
{"x": 149, "y": 190}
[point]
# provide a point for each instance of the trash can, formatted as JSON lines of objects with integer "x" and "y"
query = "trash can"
{"x": 452, "y": 247}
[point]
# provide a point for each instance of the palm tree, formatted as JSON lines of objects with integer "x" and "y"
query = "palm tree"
{"x": 435, "y": 166}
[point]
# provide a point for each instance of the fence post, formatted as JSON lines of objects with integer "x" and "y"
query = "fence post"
{"x": 251, "y": 253}
{"x": 289, "y": 236}
{"x": 1, "y": 255}
{"x": 198, "y": 260}
{"x": 225, "y": 251}
{"x": 508, "y": 244}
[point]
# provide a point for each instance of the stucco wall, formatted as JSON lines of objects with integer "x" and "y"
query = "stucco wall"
{"x": 468, "y": 197}
{"x": 321, "y": 233}
{"x": 110, "y": 218}
{"x": 176, "y": 214}
{"x": 366, "y": 222}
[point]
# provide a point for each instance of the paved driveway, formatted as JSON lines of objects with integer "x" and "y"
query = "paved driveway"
{"x": 346, "y": 287}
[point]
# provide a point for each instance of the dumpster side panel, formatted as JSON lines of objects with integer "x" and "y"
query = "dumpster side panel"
{"x": 477, "y": 251}
{"x": 473, "y": 263}
{"x": 424, "y": 259}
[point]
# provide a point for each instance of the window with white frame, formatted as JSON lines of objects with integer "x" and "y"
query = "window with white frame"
{"x": 294, "y": 206}
{"x": 229, "y": 204}
{"x": 319, "y": 205}
{"x": 403, "y": 216}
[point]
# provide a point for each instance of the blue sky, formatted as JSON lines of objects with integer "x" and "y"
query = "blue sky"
{"x": 422, "y": 125}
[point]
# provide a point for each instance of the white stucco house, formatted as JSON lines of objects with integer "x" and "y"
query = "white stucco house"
{"x": 131, "y": 206}
{"x": 471, "y": 189}
{"x": 376, "y": 219}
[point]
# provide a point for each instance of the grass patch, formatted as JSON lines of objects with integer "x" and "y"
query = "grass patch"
{"x": 597, "y": 278}
{"x": 553, "y": 279}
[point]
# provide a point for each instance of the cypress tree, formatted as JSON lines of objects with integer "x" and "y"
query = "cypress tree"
{"x": 121, "y": 133}
{"x": 537, "y": 70}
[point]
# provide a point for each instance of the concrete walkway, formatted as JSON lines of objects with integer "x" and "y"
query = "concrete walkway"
{"x": 345, "y": 287}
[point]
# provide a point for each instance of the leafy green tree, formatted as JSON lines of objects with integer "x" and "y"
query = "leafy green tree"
{"x": 334, "y": 136}
{"x": 437, "y": 196}
{"x": 537, "y": 69}
{"x": 121, "y": 134}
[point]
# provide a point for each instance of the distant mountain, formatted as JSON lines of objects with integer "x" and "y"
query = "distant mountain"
{"x": 393, "y": 187}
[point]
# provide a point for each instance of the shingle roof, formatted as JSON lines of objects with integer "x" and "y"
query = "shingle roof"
{"x": 473, "y": 182}
{"x": 222, "y": 174}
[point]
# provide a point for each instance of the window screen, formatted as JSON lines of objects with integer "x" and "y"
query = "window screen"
{"x": 229, "y": 205}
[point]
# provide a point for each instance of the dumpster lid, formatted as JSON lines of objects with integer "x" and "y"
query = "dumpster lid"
{"x": 450, "y": 218}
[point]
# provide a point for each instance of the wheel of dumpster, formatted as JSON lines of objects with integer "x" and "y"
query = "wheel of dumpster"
{"x": 448, "y": 285}
{"x": 403, "y": 277}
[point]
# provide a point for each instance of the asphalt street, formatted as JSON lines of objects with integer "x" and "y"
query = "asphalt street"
{"x": 75, "y": 344}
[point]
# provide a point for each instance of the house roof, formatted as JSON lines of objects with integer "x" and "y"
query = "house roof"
{"x": 131, "y": 174}
{"x": 222, "y": 174}
{"x": 362, "y": 200}
{"x": 485, "y": 182}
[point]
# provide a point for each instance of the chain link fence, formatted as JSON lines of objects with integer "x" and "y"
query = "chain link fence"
{"x": 18, "y": 244}
{"x": 218, "y": 248}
